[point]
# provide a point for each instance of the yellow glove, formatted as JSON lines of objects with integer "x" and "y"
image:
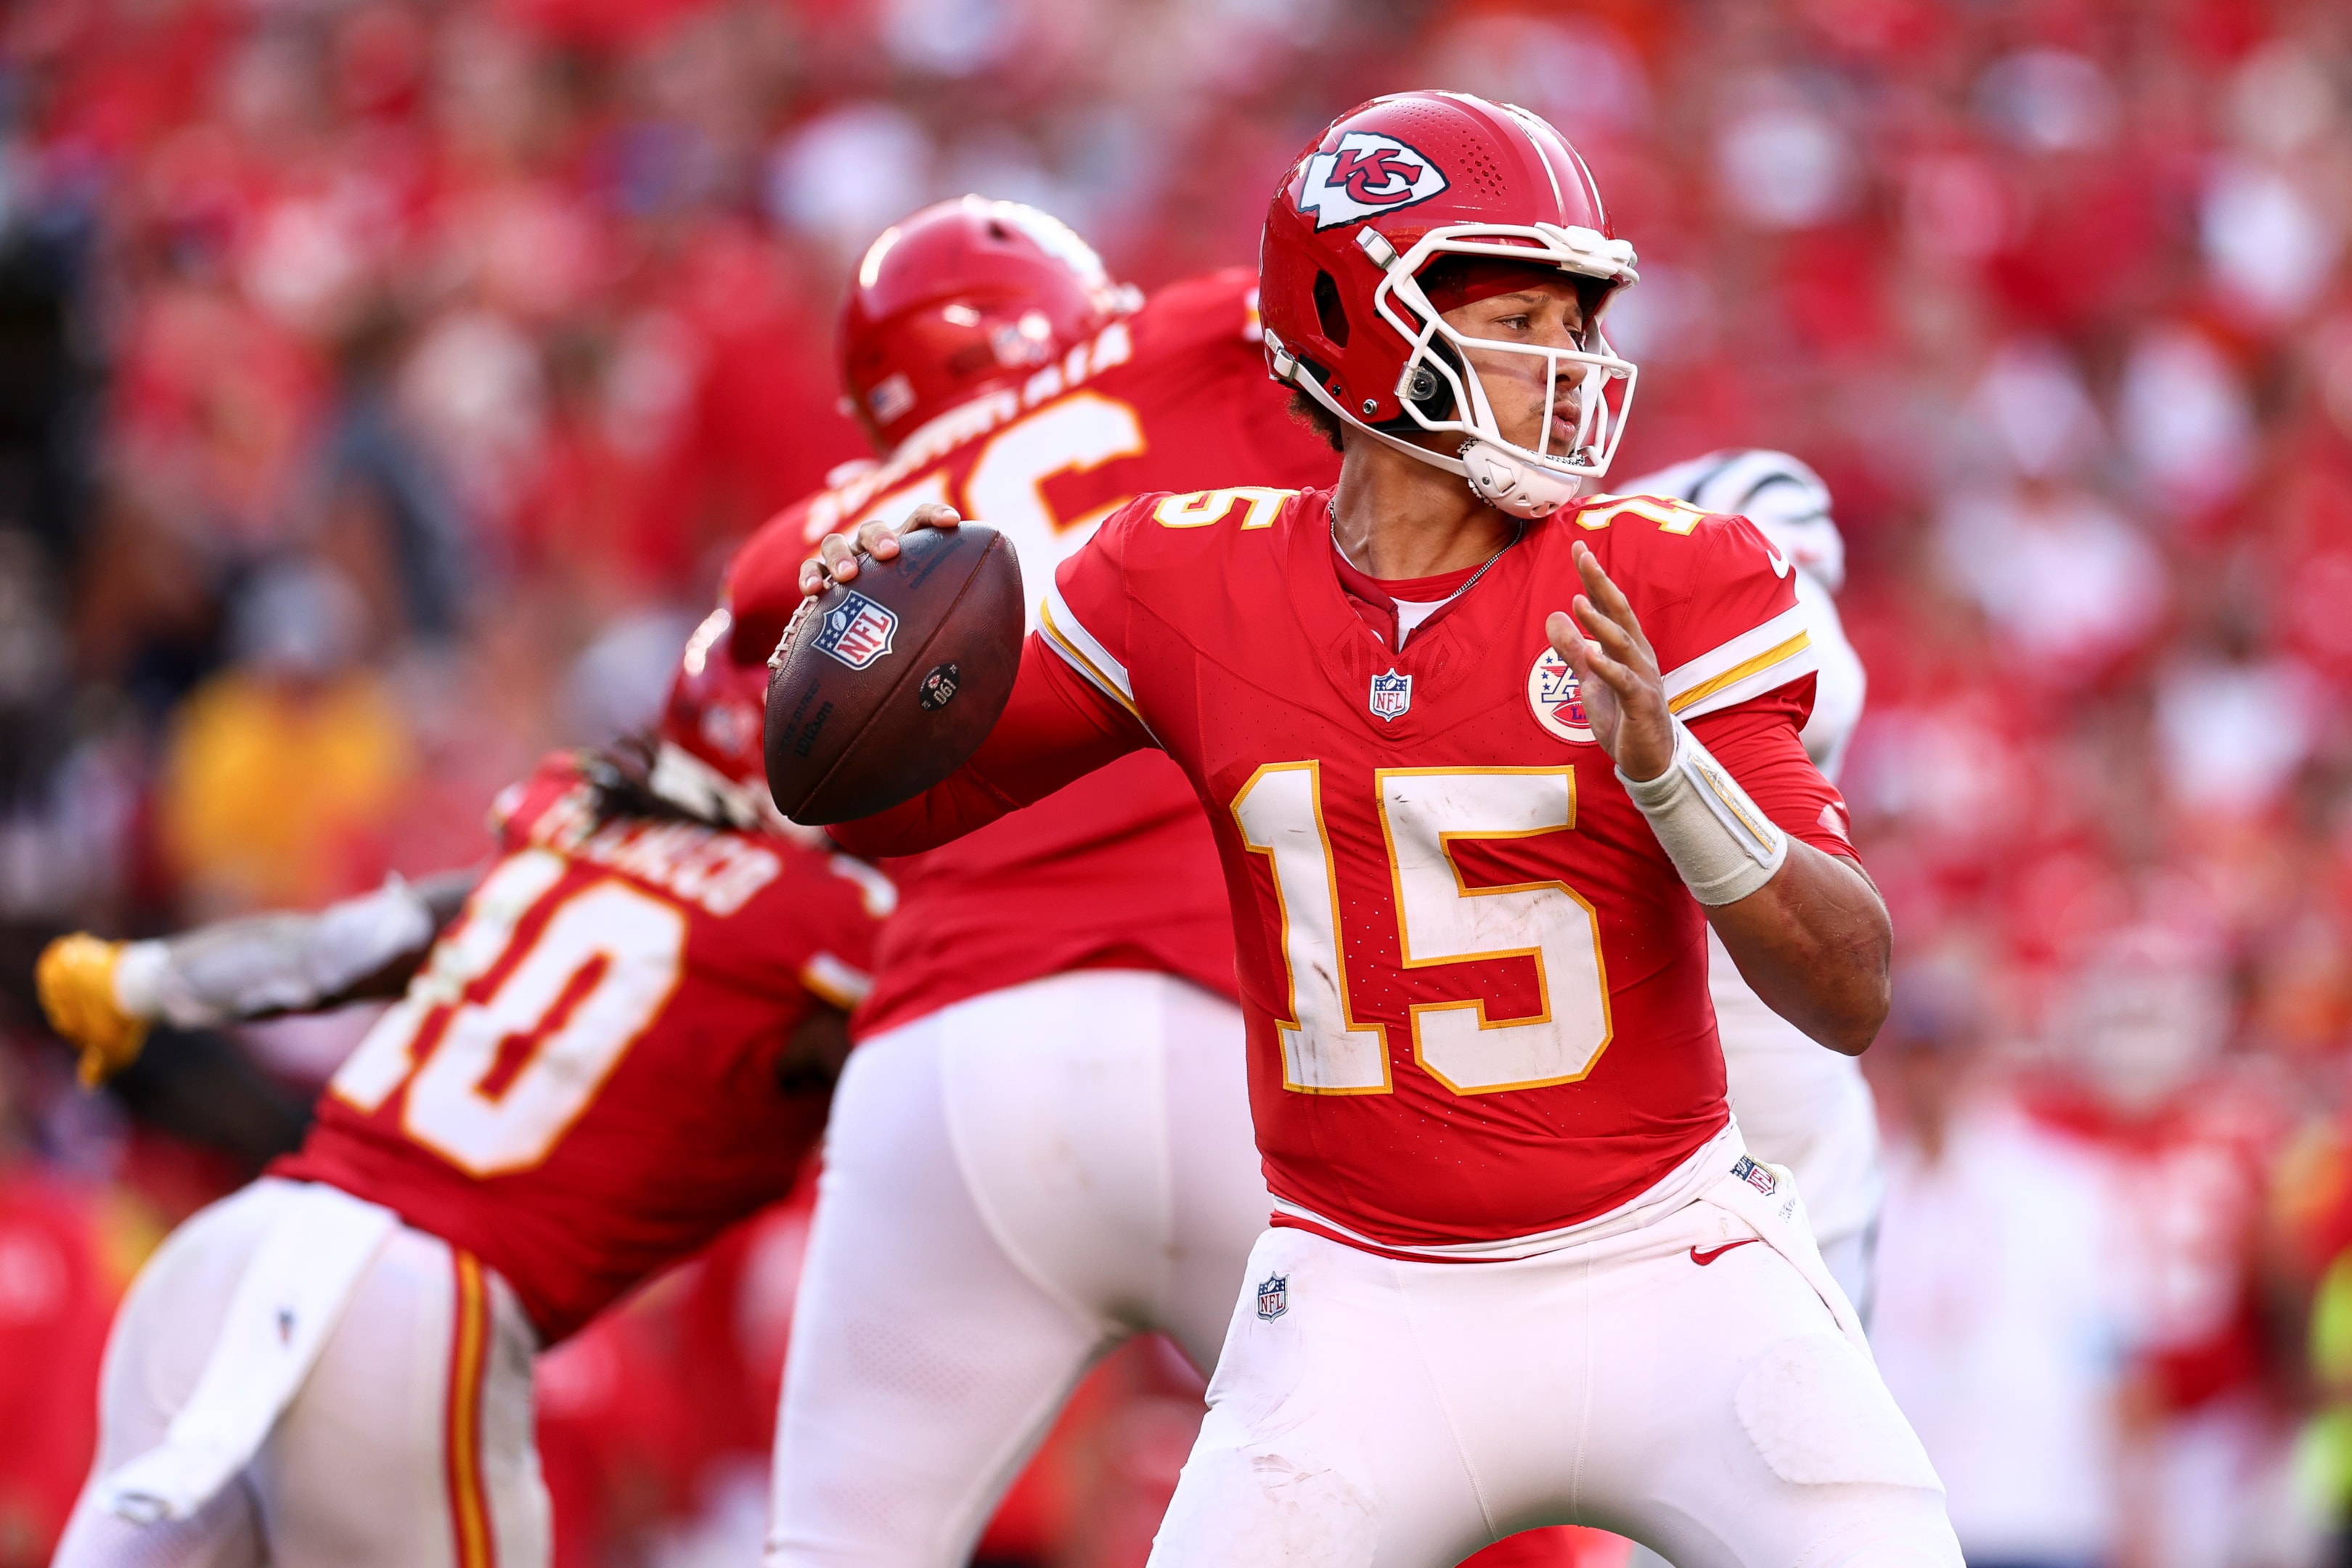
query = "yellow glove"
{"x": 75, "y": 979}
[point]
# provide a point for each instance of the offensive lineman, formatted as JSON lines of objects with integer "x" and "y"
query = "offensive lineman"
{"x": 1042, "y": 1142}
{"x": 620, "y": 1047}
{"x": 1520, "y": 1271}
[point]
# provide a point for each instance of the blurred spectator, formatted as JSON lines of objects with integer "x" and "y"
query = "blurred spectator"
{"x": 67, "y": 1249}
{"x": 284, "y": 768}
{"x": 2002, "y": 1320}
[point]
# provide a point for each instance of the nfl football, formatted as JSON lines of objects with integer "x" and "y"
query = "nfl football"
{"x": 886, "y": 684}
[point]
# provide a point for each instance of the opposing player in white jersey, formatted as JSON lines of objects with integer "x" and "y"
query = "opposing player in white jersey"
{"x": 1042, "y": 1142}
{"x": 1798, "y": 1105}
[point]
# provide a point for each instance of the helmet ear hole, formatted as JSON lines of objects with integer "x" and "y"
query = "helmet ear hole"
{"x": 1427, "y": 390}
{"x": 1329, "y": 311}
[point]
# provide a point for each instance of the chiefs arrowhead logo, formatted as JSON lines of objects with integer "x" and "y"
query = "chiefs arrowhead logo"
{"x": 1369, "y": 174}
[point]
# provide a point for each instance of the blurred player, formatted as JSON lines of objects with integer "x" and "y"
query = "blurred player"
{"x": 620, "y": 1046}
{"x": 1798, "y": 1105}
{"x": 1043, "y": 1142}
{"x": 2185, "y": 1138}
{"x": 1521, "y": 1271}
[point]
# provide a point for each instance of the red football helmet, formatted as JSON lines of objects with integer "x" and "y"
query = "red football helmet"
{"x": 963, "y": 296}
{"x": 709, "y": 760}
{"x": 1405, "y": 181}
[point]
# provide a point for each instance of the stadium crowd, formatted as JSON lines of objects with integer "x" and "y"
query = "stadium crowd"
{"x": 382, "y": 386}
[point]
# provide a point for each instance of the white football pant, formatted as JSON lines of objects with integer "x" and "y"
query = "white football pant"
{"x": 1012, "y": 1186}
{"x": 408, "y": 1446}
{"x": 1679, "y": 1382}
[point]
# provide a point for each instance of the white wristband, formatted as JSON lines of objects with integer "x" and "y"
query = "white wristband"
{"x": 1721, "y": 841}
{"x": 139, "y": 971}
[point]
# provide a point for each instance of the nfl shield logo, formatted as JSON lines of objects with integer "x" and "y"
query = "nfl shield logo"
{"x": 1756, "y": 1177}
{"x": 1391, "y": 695}
{"x": 857, "y": 631}
{"x": 1273, "y": 1296}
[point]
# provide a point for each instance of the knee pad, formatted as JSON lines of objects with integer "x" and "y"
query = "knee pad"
{"x": 1240, "y": 1507}
{"x": 1819, "y": 1416}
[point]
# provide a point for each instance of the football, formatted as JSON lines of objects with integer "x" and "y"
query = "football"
{"x": 883, "y": 685}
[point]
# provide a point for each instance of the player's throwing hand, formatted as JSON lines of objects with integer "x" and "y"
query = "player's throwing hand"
{"x": 836, "y": 553}
{"x": 1616, "y": 673}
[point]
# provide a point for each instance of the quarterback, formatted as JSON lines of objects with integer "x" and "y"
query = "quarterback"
{"x": 620, "y": 1046}
{"x": 1042, "y": 1142}
{"x": 1486, "y": 761}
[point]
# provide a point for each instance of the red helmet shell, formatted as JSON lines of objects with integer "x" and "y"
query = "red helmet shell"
{"x": 1401, "y": 166}
{"x": 964, "y": 295}
{"x": 718, "y": 706}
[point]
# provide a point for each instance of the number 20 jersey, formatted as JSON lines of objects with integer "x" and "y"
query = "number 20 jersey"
{"x": 1117, "y": 871}
{"x": 580, "y": 1087}
{"x": 1476, "y": 985}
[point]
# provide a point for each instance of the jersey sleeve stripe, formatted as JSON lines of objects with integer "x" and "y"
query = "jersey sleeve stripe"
{"x": 1771, "y": 654}
{"x": 1078, "y": 648}
{"x": 828, "y": 977}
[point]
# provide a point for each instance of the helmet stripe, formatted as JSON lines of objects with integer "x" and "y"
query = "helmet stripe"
{"x": 1559, "y": 198}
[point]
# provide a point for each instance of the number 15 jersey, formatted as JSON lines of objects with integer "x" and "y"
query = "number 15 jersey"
{"x": 1475, "y": 986}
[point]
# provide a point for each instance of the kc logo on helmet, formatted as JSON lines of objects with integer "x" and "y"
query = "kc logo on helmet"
{"x": 1369, "y": 174}
{"x": 856, "y": 631}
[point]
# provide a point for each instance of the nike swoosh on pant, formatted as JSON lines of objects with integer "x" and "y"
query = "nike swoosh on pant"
{"x": 1712, "y": 1253}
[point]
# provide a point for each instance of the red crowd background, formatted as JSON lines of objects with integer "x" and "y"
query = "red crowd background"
{"x": 383, "y": 383}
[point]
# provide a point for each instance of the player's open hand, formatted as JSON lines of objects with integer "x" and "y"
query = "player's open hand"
{"x": 1616, "y": 673}
{"x": 837, "y": 553}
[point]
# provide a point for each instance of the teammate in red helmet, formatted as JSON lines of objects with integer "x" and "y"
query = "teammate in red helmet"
{"x": 963, "y": 296}
{"x": 1485, "y": 760}
{"x": 613, "y": 1044}
{"x": 1042, "y": 1140}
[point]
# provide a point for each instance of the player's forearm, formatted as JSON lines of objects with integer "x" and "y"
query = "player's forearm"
{"x": 268, "y": 964}
{"x": 962, "y": 803}
{"x": 1816, "y": 944}
{"x": 1055, "y": 730}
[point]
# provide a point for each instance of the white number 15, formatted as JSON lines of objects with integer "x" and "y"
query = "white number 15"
{"x": 1440, "y": 921}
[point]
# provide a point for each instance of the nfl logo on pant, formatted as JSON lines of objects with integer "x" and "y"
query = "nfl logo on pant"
{"x": 1272, "y": 1296}
{"x": 1391, "y": 695}
{"x": 856, "y": 632}
{"x": 1756, "y": 1177}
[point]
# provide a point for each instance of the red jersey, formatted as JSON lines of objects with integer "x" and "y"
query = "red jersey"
{"x": 1476, "y": 985}
{"x": 581, "y": 1084}
{"x": 1119, "y": 870}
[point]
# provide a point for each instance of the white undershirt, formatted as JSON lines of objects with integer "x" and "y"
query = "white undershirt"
{"x": 1410, "y": 613}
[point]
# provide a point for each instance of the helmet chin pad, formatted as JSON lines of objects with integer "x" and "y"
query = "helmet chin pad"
{"x": 1511, "y": 483}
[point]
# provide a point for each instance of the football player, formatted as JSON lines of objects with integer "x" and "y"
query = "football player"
{"x": 1798, "y": 1105}
{"x": 1042, "y": 1143}
{"x": 1521, "y": 1271}
{"x": 618, "y": 1045}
